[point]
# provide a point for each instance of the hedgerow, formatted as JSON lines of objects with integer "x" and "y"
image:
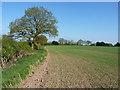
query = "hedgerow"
{"x": 15, "y": 50}
{"x": 11, "y": 77}
{"x": 12, "y": 49}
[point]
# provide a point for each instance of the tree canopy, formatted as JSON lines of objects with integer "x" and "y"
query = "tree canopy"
{"x": 55, "y": 43}
{"x": 35, "y": 22}
{"x": 117, "y": 44}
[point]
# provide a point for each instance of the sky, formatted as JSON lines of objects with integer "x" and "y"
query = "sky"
{"x": 94, "y": 21}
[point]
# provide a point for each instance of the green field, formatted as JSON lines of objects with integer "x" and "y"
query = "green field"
{"x": 83, "y": 66}
{"x": 100, "y": 55}
{"x": 69, "y": 67}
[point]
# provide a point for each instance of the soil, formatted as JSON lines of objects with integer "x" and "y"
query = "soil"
{"x": 61, "y": 71}
{"x": 36, "y": 76}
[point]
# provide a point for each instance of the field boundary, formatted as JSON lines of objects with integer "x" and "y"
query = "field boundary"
{"x": 37, "y": 75}
{"x": 27, "y": 65}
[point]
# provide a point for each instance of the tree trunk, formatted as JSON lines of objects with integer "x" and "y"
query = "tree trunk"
{"x": 32, "y": 46}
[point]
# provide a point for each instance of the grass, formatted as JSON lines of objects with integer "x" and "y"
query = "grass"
{"x": 101, "y": 55}
{"x": 96, "y": 64}
{"x": 12, "y": 76}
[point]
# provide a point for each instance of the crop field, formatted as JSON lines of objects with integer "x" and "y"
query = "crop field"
{"x": 53, "y": 45}
{"x": 82, "y": 67}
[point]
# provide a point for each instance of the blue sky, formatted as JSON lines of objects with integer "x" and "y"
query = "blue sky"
{"x": 76, "y": 20}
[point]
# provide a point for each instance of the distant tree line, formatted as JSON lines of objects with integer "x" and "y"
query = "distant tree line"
{"x": 103, "y": 44}
{"x": 80, "y": 42}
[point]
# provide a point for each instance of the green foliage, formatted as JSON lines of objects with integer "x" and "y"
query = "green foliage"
{"x": 55, "y": 43}
{"x": 36, "y": 21}
{"x": 99, "y": 54}
{"x": 103, "y": 44}
{"x": 61, "y": 40}
{"x": 11, "y": 48}
{"x": 40, "y": 41}
{"x": 12, "y": 76}
{"x": 117, "y": 44}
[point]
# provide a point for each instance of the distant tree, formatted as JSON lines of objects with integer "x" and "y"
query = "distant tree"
{"x": 84, "y": 42}
{"x": 80, "y": 42}
{"x": 103, "y": 44}
{"x": 55, "y": 43}
{"x": 108, "y": 44}
{"x": 35, "y": 22}
{"x": 66, "y": 42}
{"x": 71, "y": 42}
{"x": 88, "y": 42}
{"x": 61, "y": 41}
{"x": 117, "y": 44}
{"x": 100, "y": 44}
{"x": 49, "y": 43}
{"x": 93, "y": 44}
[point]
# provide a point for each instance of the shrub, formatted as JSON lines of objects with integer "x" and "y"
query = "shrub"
{"x": 12, "y": 49}
{"x": 55, "y": 43}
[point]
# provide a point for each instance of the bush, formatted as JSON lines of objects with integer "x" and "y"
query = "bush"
{"x": 12, "y": 48}
{"x": 55, "y": 43}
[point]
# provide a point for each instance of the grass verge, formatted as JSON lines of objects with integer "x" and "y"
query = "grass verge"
{"x": 11, "y": 77}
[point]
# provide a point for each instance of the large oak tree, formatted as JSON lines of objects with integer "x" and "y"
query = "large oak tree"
{"x": 35, "y": 22}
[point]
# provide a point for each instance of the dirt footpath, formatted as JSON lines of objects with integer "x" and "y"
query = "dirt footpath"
{"x": 37, "y": 75}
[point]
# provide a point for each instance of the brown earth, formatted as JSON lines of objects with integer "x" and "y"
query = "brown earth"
{"x": 36, "y": 76}
{"x": 61, "y": 71}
